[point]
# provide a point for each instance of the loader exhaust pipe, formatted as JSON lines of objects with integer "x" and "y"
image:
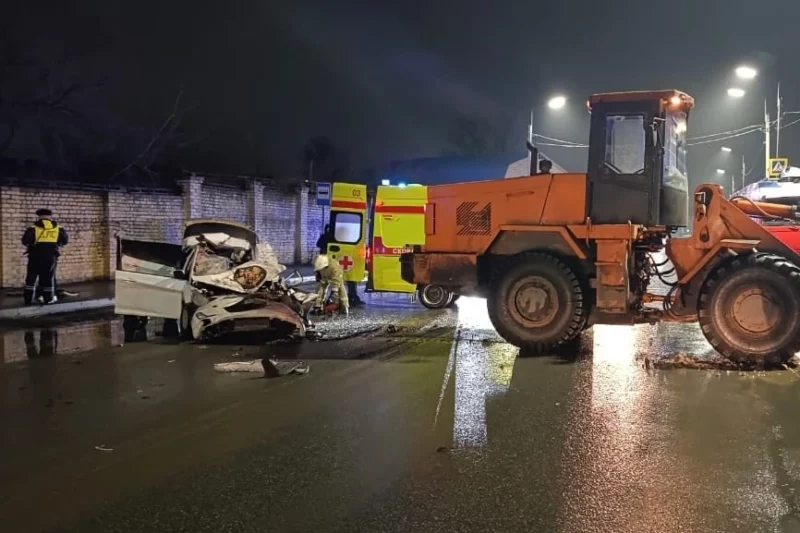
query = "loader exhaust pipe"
{"x": 534, "y": 164}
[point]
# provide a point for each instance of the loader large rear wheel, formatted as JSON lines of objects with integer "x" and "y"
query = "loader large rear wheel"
{"x": 538, "y": 304}
{"x": 749, "y": 310}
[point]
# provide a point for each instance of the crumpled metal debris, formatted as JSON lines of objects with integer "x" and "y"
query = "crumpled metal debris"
{"x": 270, "y": 368}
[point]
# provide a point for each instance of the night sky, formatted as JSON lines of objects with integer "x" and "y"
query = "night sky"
{"x": 392, "y": 82}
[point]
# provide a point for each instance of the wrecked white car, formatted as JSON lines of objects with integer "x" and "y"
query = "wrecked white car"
{"x": 218, "y": 280}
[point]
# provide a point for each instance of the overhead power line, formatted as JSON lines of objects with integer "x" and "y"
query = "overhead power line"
{"x": 693, "y": 141}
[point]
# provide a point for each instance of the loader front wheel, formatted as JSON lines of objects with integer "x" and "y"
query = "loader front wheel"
{"x": 749, "y": 310}
{"x": 538, "y": 303}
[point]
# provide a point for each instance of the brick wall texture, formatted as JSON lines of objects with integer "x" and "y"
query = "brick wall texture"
{"x": 283, "y": 214}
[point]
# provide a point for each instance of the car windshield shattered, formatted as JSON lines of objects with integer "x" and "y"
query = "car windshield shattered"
{"x": 209, "y": 263}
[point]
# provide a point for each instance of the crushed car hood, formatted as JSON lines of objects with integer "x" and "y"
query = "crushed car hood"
{"x": 246, "y": 278}
{"x": 234, "y": 230}
{"x": 228, "y": 256}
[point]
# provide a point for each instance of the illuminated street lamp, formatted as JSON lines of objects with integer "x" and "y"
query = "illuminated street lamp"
{"x": 736, "y": 92}
{"x": 726, "y": 149}
{"x": 720, "y": 171}
{"x": 746, "y": 73}
{"x": 557, "y": 102}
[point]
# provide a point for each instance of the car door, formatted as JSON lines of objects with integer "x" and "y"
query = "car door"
{"x": 146, "y": 283}
{"x": 348, "y": 243}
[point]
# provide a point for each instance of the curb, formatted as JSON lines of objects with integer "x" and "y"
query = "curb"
{"x": 34, "y": 311}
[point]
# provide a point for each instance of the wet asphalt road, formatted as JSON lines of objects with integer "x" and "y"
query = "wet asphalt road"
{"x": 412, "y": 421}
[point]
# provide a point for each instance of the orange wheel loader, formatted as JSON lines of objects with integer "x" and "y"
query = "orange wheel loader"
{"x": 554, "y": 254}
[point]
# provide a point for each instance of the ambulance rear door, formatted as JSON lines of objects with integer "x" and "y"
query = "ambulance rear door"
{"x": 348, "y": 243}
{"x": 399, "y": 223}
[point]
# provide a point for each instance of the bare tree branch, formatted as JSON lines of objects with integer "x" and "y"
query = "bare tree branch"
{"x": 164, "y": 126}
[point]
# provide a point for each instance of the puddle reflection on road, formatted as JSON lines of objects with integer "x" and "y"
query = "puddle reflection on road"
{"x": 21, "y": 345}
{"x": 616, "y": 376}
{"x": 482, "y": 366}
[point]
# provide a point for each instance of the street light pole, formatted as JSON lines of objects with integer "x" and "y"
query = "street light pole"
{"x": 778, "y": 124}
{"x": 555, "y": 102}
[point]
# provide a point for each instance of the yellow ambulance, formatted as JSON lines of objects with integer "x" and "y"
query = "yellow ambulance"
{"x": 368, "y": 237}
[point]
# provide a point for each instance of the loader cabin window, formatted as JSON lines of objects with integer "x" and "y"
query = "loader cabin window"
{"x": 347, "y": 228}
{"x": 625, "y": 144}
{"x": 675, "y": 152}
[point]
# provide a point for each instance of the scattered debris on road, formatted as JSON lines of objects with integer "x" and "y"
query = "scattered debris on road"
{"x": 270, "y": 368}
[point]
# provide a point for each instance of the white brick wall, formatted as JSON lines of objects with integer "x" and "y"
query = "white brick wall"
{"x": 314, "y": 219}
{"x": 83, "y": 216}
{"x": 283, "y": 214}
{"x": 221, "y": 199}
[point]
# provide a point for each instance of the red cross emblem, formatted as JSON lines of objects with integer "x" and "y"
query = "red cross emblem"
{"x": 346, "y": 263}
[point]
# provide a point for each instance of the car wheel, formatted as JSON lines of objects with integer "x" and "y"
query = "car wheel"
{"x": 186, "y": 322}
{"x": 134, "y": 328}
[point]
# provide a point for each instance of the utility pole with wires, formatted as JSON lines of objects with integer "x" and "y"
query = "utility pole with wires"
{"x": 766, "y": 140}
{"x": 744, "y": 171}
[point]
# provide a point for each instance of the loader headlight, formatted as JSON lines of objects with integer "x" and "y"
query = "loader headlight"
{"x": 249, "y": 277}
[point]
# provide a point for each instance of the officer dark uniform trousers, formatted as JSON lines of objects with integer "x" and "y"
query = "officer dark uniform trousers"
{"x": 43, "y": 240}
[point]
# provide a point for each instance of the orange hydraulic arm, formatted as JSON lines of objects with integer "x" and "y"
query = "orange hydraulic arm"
{"x": 761, "y": 209}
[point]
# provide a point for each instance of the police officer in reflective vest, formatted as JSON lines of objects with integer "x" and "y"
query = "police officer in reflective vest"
{"x": 43, "y": 240}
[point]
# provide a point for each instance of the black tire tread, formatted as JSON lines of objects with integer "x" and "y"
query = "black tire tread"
{"x": 579, "y": 313}
{"x": 420, "y": 297}
{"x": 775, "y": 263}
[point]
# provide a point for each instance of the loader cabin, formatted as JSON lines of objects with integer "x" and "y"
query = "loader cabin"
{"x": 637, "y": 158}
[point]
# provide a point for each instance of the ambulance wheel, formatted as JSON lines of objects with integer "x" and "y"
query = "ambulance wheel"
{"x": 454, "y": 300}
{"x": 537, "y": 303}
{"x": 749, "y": 310}
{"x": 434, "y": 296}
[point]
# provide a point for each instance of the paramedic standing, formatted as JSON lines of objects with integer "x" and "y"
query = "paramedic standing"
{"x": 43, "y": 240}
{"x": 322, "y": 242}
{"x": 330, "y": 274}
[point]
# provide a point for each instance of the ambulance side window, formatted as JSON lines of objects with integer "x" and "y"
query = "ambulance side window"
{"x": 347, "y": 228}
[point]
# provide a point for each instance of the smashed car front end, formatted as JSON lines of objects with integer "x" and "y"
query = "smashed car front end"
{"x": 246, "y": 313}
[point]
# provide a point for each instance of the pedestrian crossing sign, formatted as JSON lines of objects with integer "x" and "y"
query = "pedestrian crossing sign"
{"x": 777, "y": 165}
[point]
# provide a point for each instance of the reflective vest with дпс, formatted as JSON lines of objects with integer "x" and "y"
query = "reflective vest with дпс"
{"x": 47, "y": 234}
{"x": 44, "y": 238}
